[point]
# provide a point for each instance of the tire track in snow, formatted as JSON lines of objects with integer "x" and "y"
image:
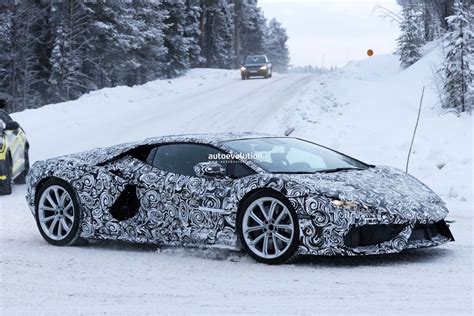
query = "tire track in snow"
{"x": 247, "y": 111}
{"x": 214, "y": 110}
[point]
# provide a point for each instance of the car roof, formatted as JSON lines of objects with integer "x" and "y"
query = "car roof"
{"x": 211, "y": 138}
{"x": 104, "y": 154}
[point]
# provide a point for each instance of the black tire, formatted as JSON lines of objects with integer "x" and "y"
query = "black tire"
{"x": 290, "y": 251}
{"x": 21, "y": 179}
{"x": 72, "y": 238}
{"x": 6, "y": 185}
{"x": 243, "y": 77}
{"x": 266, "y": 76}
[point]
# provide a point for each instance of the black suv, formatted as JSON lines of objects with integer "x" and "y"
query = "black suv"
{"x": 256, "y": 65}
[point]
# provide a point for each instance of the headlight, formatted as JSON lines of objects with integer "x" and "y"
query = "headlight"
{"x": 242, "y": 68}
{"x": 263, "y": 67}
{"x": 341, "y": 203}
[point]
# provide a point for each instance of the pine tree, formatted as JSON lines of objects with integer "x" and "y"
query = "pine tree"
{"x": 275, "y": 46}
{"x": 192, "y": 32}
{"x": 71, "y": 52}
{"x": 111, "y": 57}
{"x": 252, "y": 36}
{"x": 43, "y": 30}
{"x": 410, "y": 40}
{"x": 177, "y": 59}
{"x": 6, "y": 52}
{"x": 150, "y": 52}
{"x": 459, "y": 60}
{"x": 128, "y": 41}
{"x": 217, "y": 38}
{"x": 24, "y": 80}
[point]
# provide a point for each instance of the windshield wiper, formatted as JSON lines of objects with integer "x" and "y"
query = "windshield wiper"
{"x": 338, "y": 169}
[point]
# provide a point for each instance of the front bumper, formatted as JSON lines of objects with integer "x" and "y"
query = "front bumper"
{"x": 395, "y": 238}
{"x": 253, "y": 73}
{"x": 326, "y": 229}
{"x": 371, "y": 239}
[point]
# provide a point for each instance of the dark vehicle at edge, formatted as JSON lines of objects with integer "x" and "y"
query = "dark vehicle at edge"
{"x": 256, "y": 66}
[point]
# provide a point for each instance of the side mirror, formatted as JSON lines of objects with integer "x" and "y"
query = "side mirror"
{"x": 12, "y": 126}
{"x": 210, "y": 169}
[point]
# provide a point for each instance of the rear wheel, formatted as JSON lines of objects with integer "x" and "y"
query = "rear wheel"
{"x": 21, "y": 179}
{"x": 58, "y": 213}
{"x": 6, "y": 174}
{"x": 268, "y": 228}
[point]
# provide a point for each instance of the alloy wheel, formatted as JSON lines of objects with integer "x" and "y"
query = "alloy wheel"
{"x": 56, "y": 212}
{"x": 268, "y": 228}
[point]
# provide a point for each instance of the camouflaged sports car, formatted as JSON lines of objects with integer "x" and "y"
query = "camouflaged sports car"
{"x": 274, "y": 197}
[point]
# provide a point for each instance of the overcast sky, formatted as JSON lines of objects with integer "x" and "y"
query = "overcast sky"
{"x": 336, "y": 30}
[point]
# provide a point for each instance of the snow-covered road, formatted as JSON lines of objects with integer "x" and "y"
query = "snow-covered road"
{"x": 200, "y": 102}
{"x": 336, "y": 110}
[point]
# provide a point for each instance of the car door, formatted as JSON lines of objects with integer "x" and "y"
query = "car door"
{"x": 196, "y": 203}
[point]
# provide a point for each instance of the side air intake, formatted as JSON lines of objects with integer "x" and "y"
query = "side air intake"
{"x": 126, "y": 205}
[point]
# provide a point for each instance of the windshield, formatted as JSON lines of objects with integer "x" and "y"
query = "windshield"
{"x": 255, "y": 60}
{"x": 291, "y": 155}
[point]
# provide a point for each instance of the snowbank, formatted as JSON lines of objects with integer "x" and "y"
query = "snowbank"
{"x": 369, "y": 109}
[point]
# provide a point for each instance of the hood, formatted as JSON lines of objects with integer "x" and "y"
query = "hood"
{"x": 381, "y": 189}
{"x": 255, "y": 65}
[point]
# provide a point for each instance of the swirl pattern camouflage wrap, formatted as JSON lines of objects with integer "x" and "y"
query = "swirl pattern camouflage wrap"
{"x": 185, "y": 210}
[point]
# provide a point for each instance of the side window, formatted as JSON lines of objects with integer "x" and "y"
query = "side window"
{"x": 237, "y": 170}
{"x": 181, "y": 158}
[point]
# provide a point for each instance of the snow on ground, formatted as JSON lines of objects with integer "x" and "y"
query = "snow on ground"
{"x": 367, "y": 109}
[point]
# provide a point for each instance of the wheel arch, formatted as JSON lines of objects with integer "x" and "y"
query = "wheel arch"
{"x": 41, "y": 183}
{"x": 258, "y": 190}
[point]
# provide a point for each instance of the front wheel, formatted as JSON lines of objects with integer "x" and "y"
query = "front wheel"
{"x": 58, "y": 213}
{"x": 268, "y": 228}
